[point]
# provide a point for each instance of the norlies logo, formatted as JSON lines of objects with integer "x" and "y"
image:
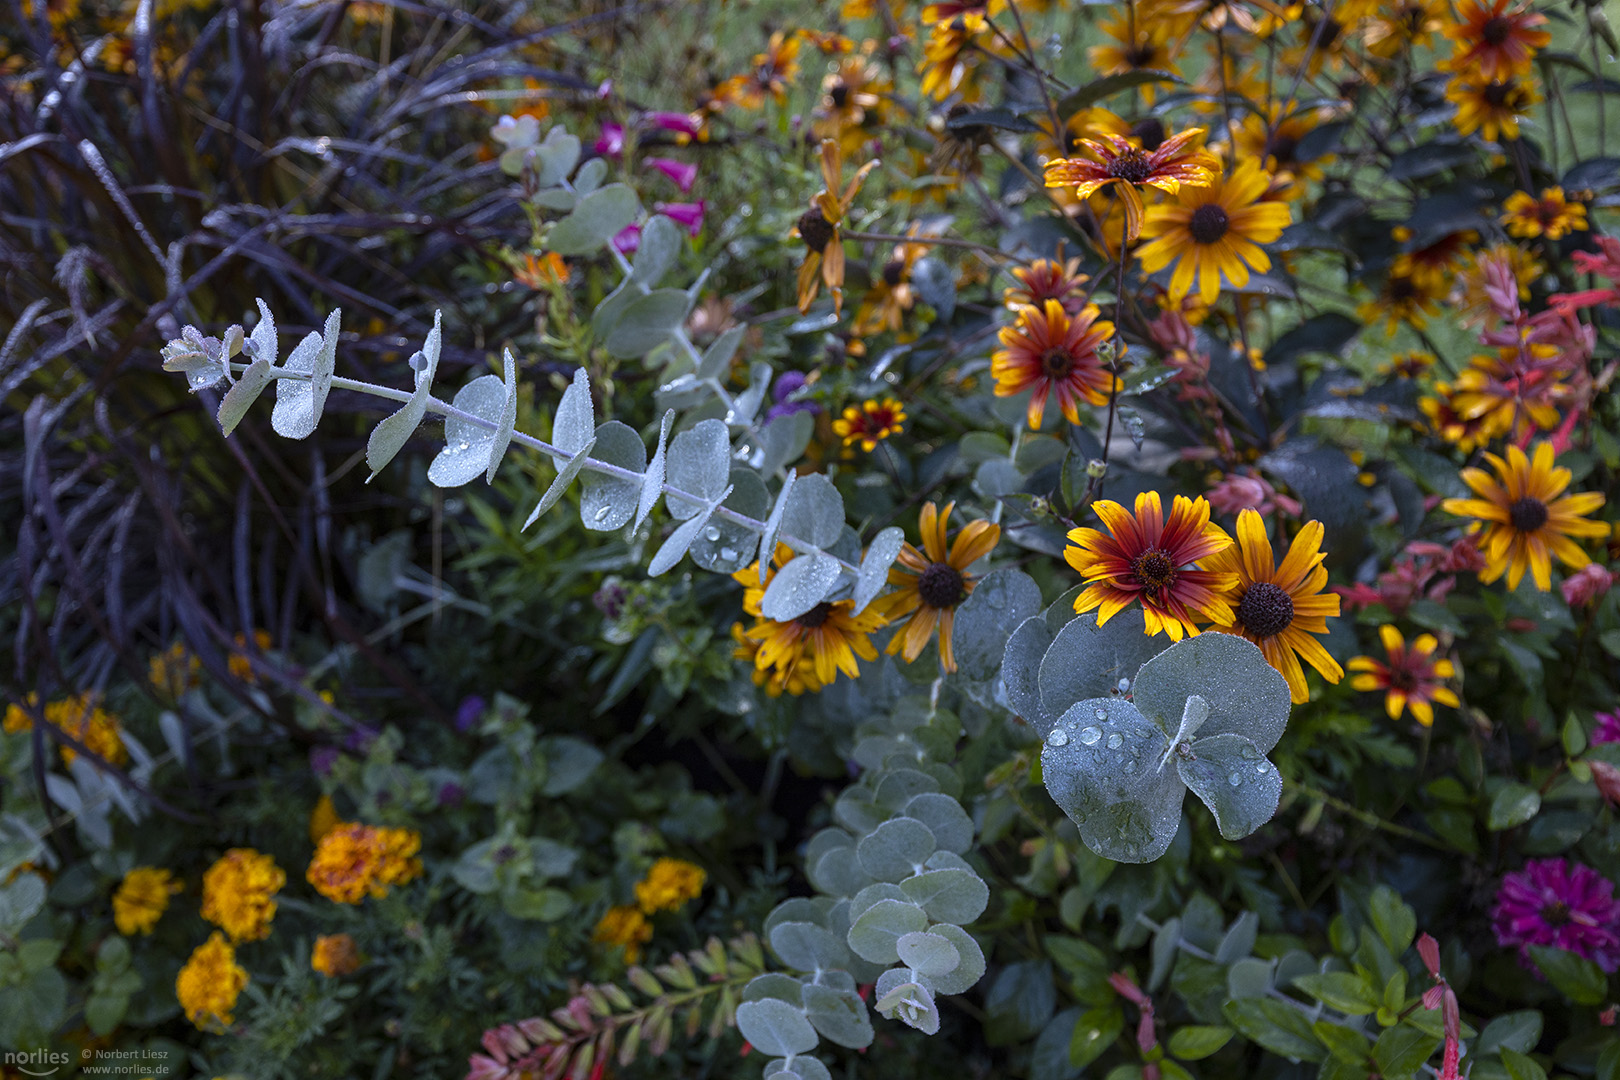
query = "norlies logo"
{"x": 37, "y": 1062}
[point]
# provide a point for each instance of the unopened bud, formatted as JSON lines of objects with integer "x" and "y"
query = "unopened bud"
{"x": 1096, "y": 468}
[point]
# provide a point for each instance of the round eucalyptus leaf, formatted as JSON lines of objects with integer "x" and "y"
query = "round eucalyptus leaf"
{"x": 660, "y": 247}
{"x": 1085, "y": 661}
{"x": 874, "y": 934}
{"x": 839, "y": 1015}
{"x": 799, "y": 586}
{"x": 896, "y": 849}
{"x": 871, "y": 894}
{"x": 800, "y": 1068}
{"x": 911, "y": 1003}
{"x": 945, "y": 818}
{"x": 825, "y": 840}
{"x": 785, "y": 440}
{"x": 646, "y": 323}
{"x": 699, "y": 463}
{"x": 466, "y": 451}
{"x": 1234, "y": 779}
{"x": 555, "y": 158}
{"x": 725, "y": 546}
{"x": 899, "y": 786}
{"x": 609, "y": 502}
{"x": 969, "y": 969}
{"x": 1102, "y": 766}
{"x": 951, "y": 895}
{"x": 774, "y": 985}
{"x": 1001, "y": 601}
{"x": 680, "y": 540}
{"x": 1246, "y": 695}
{"x": 837, "y": 873}
{"x": 1020, "y": 671}
{"x": 775, "y": 1027}
{"x": 857, "y": 810}
{"x": 597, "y": 218}
{"x": 880, "y": 555}
{"x": 814, "y": 512}
{"x": 807, "y": 947}
{"x": 804, "y": 909}
{"x": 928, "y": 954}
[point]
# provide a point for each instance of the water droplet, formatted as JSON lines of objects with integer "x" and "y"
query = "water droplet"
{"x": 602, "y": 512}
{"x": 463, "y": 446}
{"x": 711, "y": 534}
{"x": 1263, "y": 768}
{"x": 1234, "y": 779}
{"x": 1102, "y": 714}
{"x": 1249, "y": 753}
{"x": 1124, "y": 686}
{"x": 1090, "y": 736}
{"x": 1115, "y": 741}
{"x": 728, "y": 555}
{"x": 1059, "y": 737}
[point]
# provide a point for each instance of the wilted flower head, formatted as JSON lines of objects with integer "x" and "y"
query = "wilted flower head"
{"x": 1586, "y": 585}
{"x": 1562, "y": 904}
{"x": 1249, "y": 491}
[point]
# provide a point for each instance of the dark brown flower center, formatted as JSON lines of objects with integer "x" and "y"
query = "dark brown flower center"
{"x": 1555, "y": 914}
{"x": 1154, "y": 570}
{"x": 1150, "y": 130}
{"x": 1527, "y": 514}
{"x": 1282, "y": 147}
{"x": 893, "y": 271}
{"x": 813, "y": 618}
{"x": 1496, "y": 30}
{"x": 1498, "y": 94}
{"x": 839, "y": 94}
{"x": 1132, "y": 165}
{"x": 1329, "y": 33}
{"x": 1057, "y": 363}
{"x": 941, "y": 586}
{"x": 815, "y": 230}
{"x": 1265, "y": 610}
{"x": 1139, "y": 56}
{"x": 1208, "y": 224}
{"x": 1401, "y": 289}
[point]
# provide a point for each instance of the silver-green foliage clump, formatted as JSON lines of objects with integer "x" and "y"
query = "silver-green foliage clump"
{"x": 1129, "y": 725}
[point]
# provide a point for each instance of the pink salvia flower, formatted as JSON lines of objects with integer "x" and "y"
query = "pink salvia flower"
{"x": 611, "y": 142}
{"x": 1562, "y": 904}
{"x": 682, "y": 173}
{"x": 680, "y": 123}
{"x": 628, "y": 239}
{"x": 688, "y": 214}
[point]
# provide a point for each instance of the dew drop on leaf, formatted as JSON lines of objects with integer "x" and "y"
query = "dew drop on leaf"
{"x": 1115, "y": 741}
{"x": 1090, "y": 736}
{"x": 1234, "y": 779}
{"x": 1059, "y": 737}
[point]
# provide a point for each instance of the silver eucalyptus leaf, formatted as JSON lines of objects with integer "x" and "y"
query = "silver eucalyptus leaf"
{"x": 388, "y": 437}
{"x": 682, "y": 538}
{"x": 467, "y": 444}
{"x": 652, "y": 481}
{"x": 799, "y": 586}
{"x": 575, "y": 421}
{"x": 1103, "y": 765}
{"x": 565, "y": 476}
{"x": 699, "y": 464}
{"x": 508, "y": 418}
{"x": 880, "y": 555}
{"x": 609, "y": 502}
{"x": 726, "y": 546}
{"x": 815, "y": 511}
{"x": 241, "y": 396}
{"x": 773, "y": 525}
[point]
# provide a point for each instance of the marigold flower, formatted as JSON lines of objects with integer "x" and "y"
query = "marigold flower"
{"x": 1124, "y": 167}
{"x": 1494, "y": 41}
{"x": 239, "y": 893}
{"x": 142, "y": 898}
{"x": 1144, "y": 557}
{"x": 1562, "y": 904}
{"x": 1411, "y": 678}
{"x": 812, "y": 648}
{"x": 209, "y": 984}
{"x": 1052, "y": 353}
{"x": 931, "y": 584}
{"x": 354, "y": 861}
{"x": 669, "y": 885}
{"x": 870, "y": 422}
{"x": 1525, "y": 521}
{"x": 1214, "y": 230}
{"x": 174, "y": 671}
{"x": 323, "y": 819}
{"x": 240, "y": 666}
{"x": 624, "y": 925}
{"x": 1280, "y": 607}
{"x": 1491, "y": 107}
{"x": 819, "y": 228}
{"x": 1552, "y": 215}
{"x": 335, "y": 955}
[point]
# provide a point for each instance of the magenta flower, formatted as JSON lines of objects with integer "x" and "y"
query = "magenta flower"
{"x": 1608, "y": 727}
{"x": 628, "y": 239}
{"x": 1586, "y": 585}
{"x": 679, "y": 171}
{"x": 688, "y": 214}
{"x": 611, "y": 142}
{"x": 1562, "y": 904}
{"x": 680, "y": 123}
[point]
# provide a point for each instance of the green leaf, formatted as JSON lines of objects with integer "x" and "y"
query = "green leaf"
{"x": 597, "y": 218}
{"x": 1019, "y": 1003}
{"x": 1394, "y": 921}
{"x": 875, "y": 934}
{"x": 1108, "y": 85}
{"x": 1513, "y": 805}
{"x": 647, "y": 322}
{"x": 540, "y": 905}
{"x": 20, "y": 901}
{"x": 1327, "y": 333}
{"x": 1402, "y": 1050}
{"x": 775, "y": 1027}
{"x": 1345, "y": 1045}
{"x": 1094, "y": 1032}
{"x": 1520, "y": 1066}
{"x": 1580, "y": 980}
{"x": 1276, "y": 1027}
{"x": 103, "y": 1012}
{"x": 951, "y": 895}
{"x": 389, "y": 436}
{"x": 1352, "y": 995}
{"x": 1196, "y": 1042}
{"x": 1518, "y": 1030}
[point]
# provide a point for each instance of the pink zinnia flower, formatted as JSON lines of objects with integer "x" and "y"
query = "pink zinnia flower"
{"x": 682, "y": 173}
{"x": 687, "y": 214}
{"x": 1586, "y": 585}
{"x": 1562, "y": 904}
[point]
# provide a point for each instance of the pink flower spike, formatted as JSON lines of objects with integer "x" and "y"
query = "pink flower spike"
{"x": 680, "y": 123}
{"x": 682, "y": 173}
{"x": 611, "y": 142}
{"x": 687, "y": 214}
{"x": 628, "y": 239}
{"x": 1429, "y": 950}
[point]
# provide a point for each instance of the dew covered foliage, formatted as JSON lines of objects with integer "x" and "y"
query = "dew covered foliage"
{"x": 865, "y": 539}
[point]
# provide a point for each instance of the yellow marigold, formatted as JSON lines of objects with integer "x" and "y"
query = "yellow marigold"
{"x": 239, "y": 893}
{"x": 174, "y": 671}
{"x": 209, "y": 984}
{"x": 142, "y": 898}
{"x": 335, "y": 955}
{"x": 669, "y": 884}
{"x": 323, "y": 819}
{"x": 241, "y": 667}
{"x": 81, "y": 717}
{"x": 354, "y": 861}
{"x": 624, "y": 925}
{"x": 16, "y": 719}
